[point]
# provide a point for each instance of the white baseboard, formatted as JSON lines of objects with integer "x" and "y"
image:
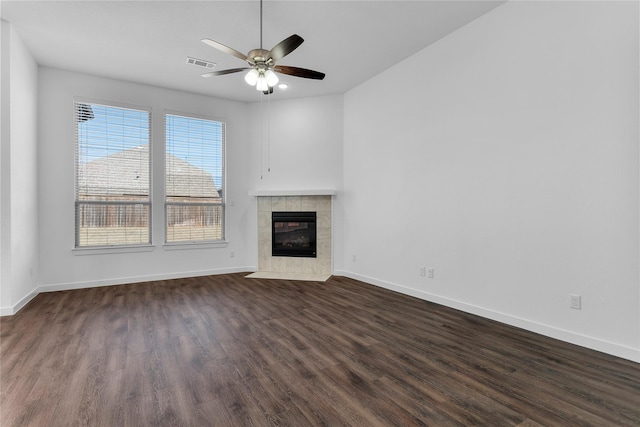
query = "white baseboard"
{"x": 8, "y": 311}
{"x": 592, "y": 343}
{"x": 138, "y": 279}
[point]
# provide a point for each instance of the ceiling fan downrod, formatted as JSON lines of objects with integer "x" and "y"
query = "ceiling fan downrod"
{"x": 260, "y": 24}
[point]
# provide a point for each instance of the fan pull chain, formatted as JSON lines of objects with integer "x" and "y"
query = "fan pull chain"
{"x": 261, "y": 143}
{"x": 268, "y": 134}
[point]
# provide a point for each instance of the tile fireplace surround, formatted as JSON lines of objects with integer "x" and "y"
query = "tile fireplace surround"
{"x": 317, "y": 269}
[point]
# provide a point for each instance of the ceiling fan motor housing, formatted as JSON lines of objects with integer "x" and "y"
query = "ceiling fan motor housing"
{"x": 259, "y": 56}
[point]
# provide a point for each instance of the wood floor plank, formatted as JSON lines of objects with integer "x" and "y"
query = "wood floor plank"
{"x": 229, "y": 351}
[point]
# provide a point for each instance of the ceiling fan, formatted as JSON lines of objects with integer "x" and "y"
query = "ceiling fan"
{"x": 262, "y": 63}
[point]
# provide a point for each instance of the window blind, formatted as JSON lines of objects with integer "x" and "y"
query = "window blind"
{"x": 113, "y": 164}
{"x": 194, "y": 179}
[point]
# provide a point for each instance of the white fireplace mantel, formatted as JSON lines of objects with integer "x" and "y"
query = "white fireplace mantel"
{"x": 279, "y": 193}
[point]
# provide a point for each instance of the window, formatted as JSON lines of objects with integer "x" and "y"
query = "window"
{"x": 112, "y": 200}
{"x": 194, "y": 179}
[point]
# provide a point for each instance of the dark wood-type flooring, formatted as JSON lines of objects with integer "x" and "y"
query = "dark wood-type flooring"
{"x": 229, "y": 351}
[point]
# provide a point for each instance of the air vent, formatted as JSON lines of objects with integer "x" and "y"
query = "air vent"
{"x": 200, "y": 63}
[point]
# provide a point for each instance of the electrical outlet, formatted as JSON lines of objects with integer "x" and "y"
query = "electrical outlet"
{"x": 576, "y": 302}
{"x": 232, "y": 254}
{"x": 430, "y": 273}
{"x": 353, "y": 258}
{"x": 423, "y": 271}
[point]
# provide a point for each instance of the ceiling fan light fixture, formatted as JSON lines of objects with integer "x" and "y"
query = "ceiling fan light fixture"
{"x": 252, "y": 77}
{"x": 262, "y": 63}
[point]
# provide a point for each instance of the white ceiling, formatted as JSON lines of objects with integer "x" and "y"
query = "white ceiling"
{"x": 148, "y": 41}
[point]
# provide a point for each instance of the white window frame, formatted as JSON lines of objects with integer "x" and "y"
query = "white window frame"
{"x": 198, "y": 243}
{"x": 116, "y": 247}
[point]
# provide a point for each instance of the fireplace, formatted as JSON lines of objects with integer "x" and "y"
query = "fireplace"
{"x": 315, "y": 268}
{"x": 293, "y": 234}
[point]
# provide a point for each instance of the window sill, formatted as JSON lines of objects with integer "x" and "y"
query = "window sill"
{"x": 194, "y": 245}
{"x": 103, "y": 250}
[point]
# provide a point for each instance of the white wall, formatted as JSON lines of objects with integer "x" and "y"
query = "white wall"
{"x": 297, "y": 145}
{"x": 19, "y": 174}
{"x": 511, "y": 167}
{"x": 300, "y": 140}
{"x": 60, "y": 267}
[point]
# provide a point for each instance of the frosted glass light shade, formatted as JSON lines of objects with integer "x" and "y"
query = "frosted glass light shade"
{"x": 262, "y": 83}
{"x": 271, "y": 77}
{"x": 252, "y": 77}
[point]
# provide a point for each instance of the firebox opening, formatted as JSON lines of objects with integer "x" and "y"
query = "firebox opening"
{"x": 293, "y": 234}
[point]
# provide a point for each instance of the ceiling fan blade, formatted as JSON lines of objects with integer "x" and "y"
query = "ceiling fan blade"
{"x": 223, "y": 72}
{"x": 299, "y": 72}
{"x": 225, "y": 49}
{"x": 285, "y": 47}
